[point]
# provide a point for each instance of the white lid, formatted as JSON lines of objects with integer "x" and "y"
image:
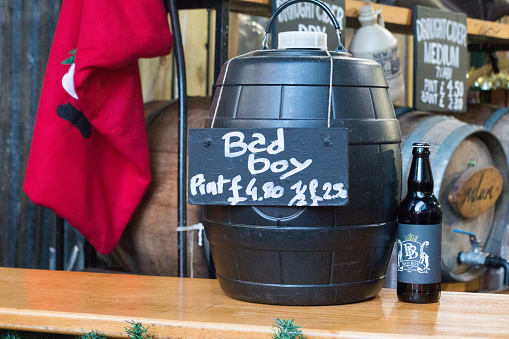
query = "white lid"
{"x": 302, "y": 40}
{"x": 366, "y": 10}
{"x": 368, "y": 16}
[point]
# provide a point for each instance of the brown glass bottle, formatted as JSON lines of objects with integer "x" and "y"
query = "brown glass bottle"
{"x": 419, "y": 234}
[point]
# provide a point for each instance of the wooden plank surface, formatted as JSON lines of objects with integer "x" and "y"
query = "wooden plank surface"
{"x": 397, "y": 19}
{"x": 72, "y": 302}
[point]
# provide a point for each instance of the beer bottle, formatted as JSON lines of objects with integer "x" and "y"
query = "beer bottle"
{"x": 419, "y": 234}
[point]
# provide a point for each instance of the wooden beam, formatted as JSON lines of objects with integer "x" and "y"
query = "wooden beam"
{"x": 397, "y": 19}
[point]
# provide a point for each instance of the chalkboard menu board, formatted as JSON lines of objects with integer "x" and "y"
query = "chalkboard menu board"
{"x": 440, "y": 60}
{"x": 268, "y": 166}
{"x": 305, "y": 16}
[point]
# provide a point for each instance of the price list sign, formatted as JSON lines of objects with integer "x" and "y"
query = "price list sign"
{"x": 307, "y": 17}
{"x": 440, "y": 60}
{"x": 268, "y": 166}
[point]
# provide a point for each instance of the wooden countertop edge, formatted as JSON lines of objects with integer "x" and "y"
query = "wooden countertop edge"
{"x": 114, "y": 326}
{"x": 67, "y": 303}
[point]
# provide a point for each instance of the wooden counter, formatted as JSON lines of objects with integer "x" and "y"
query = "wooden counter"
{"x": 72, "y": 302}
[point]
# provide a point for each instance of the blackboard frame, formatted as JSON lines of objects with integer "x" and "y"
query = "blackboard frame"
{"x": 440, "y": 60}
{"x": 236, "y": 166}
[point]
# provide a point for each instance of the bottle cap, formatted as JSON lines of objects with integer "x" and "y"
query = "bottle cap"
{"x": 421, "y": 148}
{"x": 368, "y": 16}
{"x": 421, "y": 144}
{"x": 366, "y": 10}
{"x": 302, "y": 40}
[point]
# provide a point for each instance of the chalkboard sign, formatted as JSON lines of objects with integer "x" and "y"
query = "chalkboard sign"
{"x": 268, "y": 166}
{"x": 305, "y": 16}
{"x": 440, "y": 60}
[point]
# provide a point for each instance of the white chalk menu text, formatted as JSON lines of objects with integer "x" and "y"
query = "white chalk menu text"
{"x": 258, "y": 166}
{"x": 441, "y": 62}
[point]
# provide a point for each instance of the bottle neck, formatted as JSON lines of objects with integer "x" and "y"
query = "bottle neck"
{"x": 368, "y": 20}
{"x": 420, "y": 177}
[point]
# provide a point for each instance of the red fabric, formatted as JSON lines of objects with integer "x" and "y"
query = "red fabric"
{"x": 97, "y": 181}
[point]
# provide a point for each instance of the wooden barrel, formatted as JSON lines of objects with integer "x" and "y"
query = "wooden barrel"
{"x": 493, "y": 118}
{"x": 496, "y": 119}
{"x": 461, "y": 155}
{"x": 149, "y": 243}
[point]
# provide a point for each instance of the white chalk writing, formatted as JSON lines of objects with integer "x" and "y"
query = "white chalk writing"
{"x": 258, "y": 152}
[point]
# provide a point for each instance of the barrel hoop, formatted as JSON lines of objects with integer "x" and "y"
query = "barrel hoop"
{"x": 360, "y": 132}
{"x": 301, "y": 295}
{"x": 284, "y": 238}
{"x": 292, "y": 287}
{"x": 402, "y": 110}
{"x": 416, "y": 136}
{"x": 447, "y": 148}
{"x": 492, "y": 121}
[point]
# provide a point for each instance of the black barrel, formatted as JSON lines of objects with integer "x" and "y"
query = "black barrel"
{"x": 310, "y": 255}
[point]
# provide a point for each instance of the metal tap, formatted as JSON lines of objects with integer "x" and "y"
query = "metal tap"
{"x": 477, "y": 257}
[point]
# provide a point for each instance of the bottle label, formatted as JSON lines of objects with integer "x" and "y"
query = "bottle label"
{"x": 390, "y": 62}
{"x": 419, "y": 253}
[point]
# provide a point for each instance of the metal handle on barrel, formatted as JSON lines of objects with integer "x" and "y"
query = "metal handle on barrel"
{"x": 327, "y": 10}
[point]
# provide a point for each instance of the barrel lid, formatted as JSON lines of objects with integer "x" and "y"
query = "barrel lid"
{"x": 294, "y": 39}
{"x": 301, "y": 67}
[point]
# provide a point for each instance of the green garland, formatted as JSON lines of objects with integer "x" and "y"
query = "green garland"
{"x": 136, "y": 330}
{"x": 286, "y": 329}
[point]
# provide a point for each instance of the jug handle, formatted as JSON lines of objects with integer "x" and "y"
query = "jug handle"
{"x": 327, "y": 10}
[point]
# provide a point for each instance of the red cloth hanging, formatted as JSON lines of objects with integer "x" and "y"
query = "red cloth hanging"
{"x": 89, "y": 157}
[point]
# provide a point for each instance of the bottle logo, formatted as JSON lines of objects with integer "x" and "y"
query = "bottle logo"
{"x": 412, "y": 256}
